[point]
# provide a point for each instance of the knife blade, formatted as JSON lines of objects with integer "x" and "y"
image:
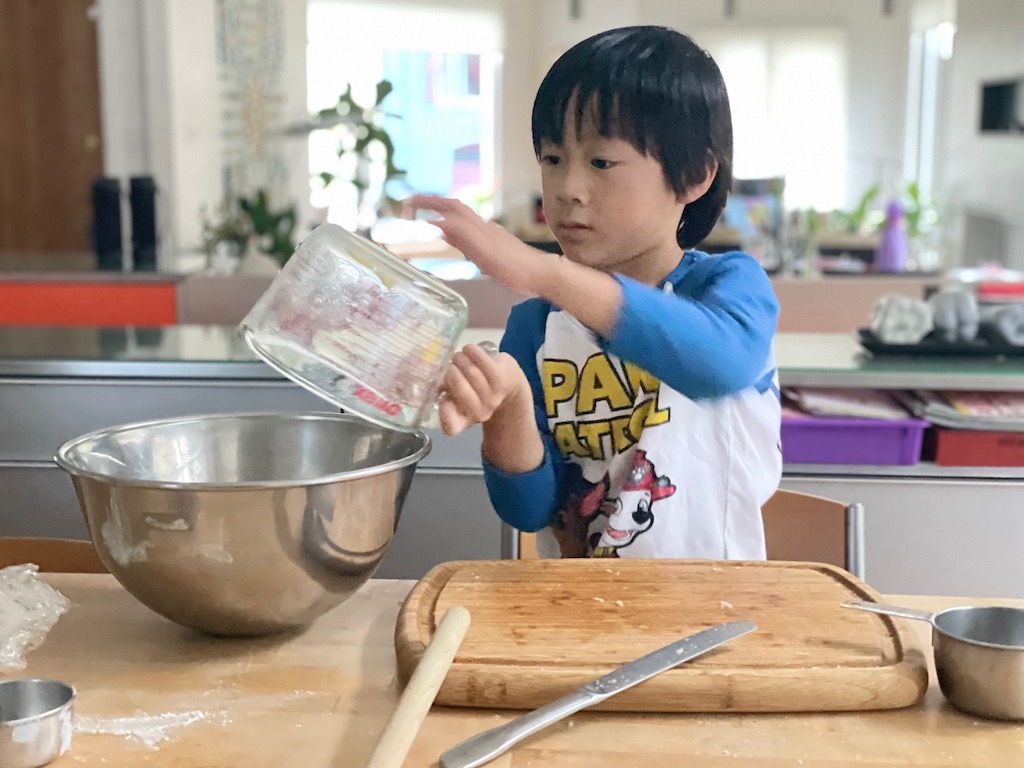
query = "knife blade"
{"x": 486, "y": 746}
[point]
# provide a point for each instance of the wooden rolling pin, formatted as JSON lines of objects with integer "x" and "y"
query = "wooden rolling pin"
{"x": 419, "y": 694}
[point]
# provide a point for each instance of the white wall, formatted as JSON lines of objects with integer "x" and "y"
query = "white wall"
{"x": 122, "y": 88}
{"x": 161, "y": 102}
{"x": 518, "y": 175}
{"x": 192, "y": 129}
{"x": 559, "y": 31}
{"x": 985, "y": 172}
{"x": 126, "y": 148}
{"x": 294, "y": 110}
{"x": 158, "y": 90}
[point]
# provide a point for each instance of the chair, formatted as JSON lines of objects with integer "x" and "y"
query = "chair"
{"x": 52, "y": 555}
{"x": 797, "y": 526}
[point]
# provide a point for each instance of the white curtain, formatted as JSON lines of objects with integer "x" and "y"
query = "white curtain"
{"x": 788, "y": 92}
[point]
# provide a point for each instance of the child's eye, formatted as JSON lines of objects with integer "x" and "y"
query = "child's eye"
{"x": 601, "y": 164}
{"x": 550, "y": 159}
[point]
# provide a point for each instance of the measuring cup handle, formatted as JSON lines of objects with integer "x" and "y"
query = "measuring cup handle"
{"x": 489, "y": 347}
{"x": 433, "y": 419}
{"x": 890, "y": 610}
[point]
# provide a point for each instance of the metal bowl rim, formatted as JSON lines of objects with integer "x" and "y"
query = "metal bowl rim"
{"x": 378, "y": 469}
{"x": 70, "y": 689}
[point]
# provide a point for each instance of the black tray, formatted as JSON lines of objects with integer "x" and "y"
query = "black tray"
{"x": 934, "y": 346}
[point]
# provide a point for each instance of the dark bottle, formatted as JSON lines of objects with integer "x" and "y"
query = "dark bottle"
{"x": 106, "y": 223}
{"x": 142, "y": 196}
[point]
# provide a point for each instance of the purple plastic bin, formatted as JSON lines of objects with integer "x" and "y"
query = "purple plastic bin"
{"x": 813, "y": 440}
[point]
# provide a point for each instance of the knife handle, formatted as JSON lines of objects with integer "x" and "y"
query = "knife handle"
{"x": 486, "y": 746}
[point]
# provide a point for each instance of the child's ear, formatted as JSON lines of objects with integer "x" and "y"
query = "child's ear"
{"x": 697, "y": 191}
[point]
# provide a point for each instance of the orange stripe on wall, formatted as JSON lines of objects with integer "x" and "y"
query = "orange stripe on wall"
{"x": 51, "y": 303}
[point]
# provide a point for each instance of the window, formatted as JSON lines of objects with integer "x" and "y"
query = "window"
{"x": 453, "y": 79}
{"x": 931, "y": 53}
{"x": 444, "y": 66}
{"x": 787, "y": 90}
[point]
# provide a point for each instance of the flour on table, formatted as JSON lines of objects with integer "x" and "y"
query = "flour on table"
{"x": 149, "y": 730}
{"x": 153, "y": 730}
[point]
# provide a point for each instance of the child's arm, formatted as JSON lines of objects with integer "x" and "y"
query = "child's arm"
{"x": 711, "y": 337}
{"x": 592, "y": 297}
{"x": 710, "y": 342}
{"x": 522, "y": 467}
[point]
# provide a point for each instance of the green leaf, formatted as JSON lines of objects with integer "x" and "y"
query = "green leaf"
{"x": 860, "y": 212}
{"x": 382, "y": 136}
{"x": 362, "y": 128}
{"x": 393, "y": 172}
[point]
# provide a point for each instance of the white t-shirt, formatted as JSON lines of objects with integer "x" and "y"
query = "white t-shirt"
{"x": 635, "y": 467}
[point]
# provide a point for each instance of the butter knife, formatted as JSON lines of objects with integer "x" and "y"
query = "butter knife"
{"x": 486, "y": 746}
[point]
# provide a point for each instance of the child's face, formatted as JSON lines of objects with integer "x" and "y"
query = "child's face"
{"x": 609, "y": 206}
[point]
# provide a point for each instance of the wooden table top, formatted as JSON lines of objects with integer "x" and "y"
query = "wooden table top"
{"x": 153, "y": 693}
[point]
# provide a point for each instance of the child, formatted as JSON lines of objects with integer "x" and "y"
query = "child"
{"x": 634, "y": 410}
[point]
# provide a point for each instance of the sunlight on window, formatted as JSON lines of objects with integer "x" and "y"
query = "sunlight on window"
{"x": 787, "y": 89}
{"x": 930, "y": 52}
{"x": 444, "y": 65}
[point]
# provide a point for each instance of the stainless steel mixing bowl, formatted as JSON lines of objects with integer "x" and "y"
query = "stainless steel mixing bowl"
{"x": 243, "y": 524}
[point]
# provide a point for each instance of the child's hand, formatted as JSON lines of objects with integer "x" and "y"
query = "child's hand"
{"x": 477, "y": 386}
{"x": 496, "y": 251}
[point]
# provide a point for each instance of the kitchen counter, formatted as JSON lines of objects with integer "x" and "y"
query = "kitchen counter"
{"x": 57, "y": 383}
{"x": 322, "y": 698}
{"x": 169, "y": 352}
{"x": 215, "y": 351}
{"x": 838, "y": 360}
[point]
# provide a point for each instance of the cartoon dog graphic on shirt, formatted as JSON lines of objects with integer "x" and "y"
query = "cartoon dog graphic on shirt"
{"x": 572, "y": 524}
{"x": 631, "y": 513}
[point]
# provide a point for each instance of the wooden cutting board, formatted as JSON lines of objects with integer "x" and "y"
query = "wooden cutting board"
{"x": 541, "y": 628}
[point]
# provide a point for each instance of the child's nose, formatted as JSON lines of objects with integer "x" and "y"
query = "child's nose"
{"x": 573, "y": 188}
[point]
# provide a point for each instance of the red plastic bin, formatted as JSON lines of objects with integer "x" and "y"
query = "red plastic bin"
{"x": 969, "y": 448}
{"x": 815, "y": 440}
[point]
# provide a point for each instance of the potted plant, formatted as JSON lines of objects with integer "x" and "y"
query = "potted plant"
{"x": 247, "y": 228}
{"x": 363, "y": 136}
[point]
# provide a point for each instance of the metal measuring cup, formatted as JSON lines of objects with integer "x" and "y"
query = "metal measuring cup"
{"x": 35, "y": 722}
{"x": 979, "y": 655}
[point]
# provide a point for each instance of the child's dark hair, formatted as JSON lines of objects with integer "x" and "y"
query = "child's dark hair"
{"x": 657, "y": 89}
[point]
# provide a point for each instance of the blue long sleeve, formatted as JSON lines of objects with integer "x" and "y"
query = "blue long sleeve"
{"x": 711, "y": 336}
{"x": 527, "y": 501}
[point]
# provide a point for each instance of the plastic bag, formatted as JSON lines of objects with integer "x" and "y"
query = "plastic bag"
{"x": 29, "y": 607}
{"x": 897, "y": 319}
